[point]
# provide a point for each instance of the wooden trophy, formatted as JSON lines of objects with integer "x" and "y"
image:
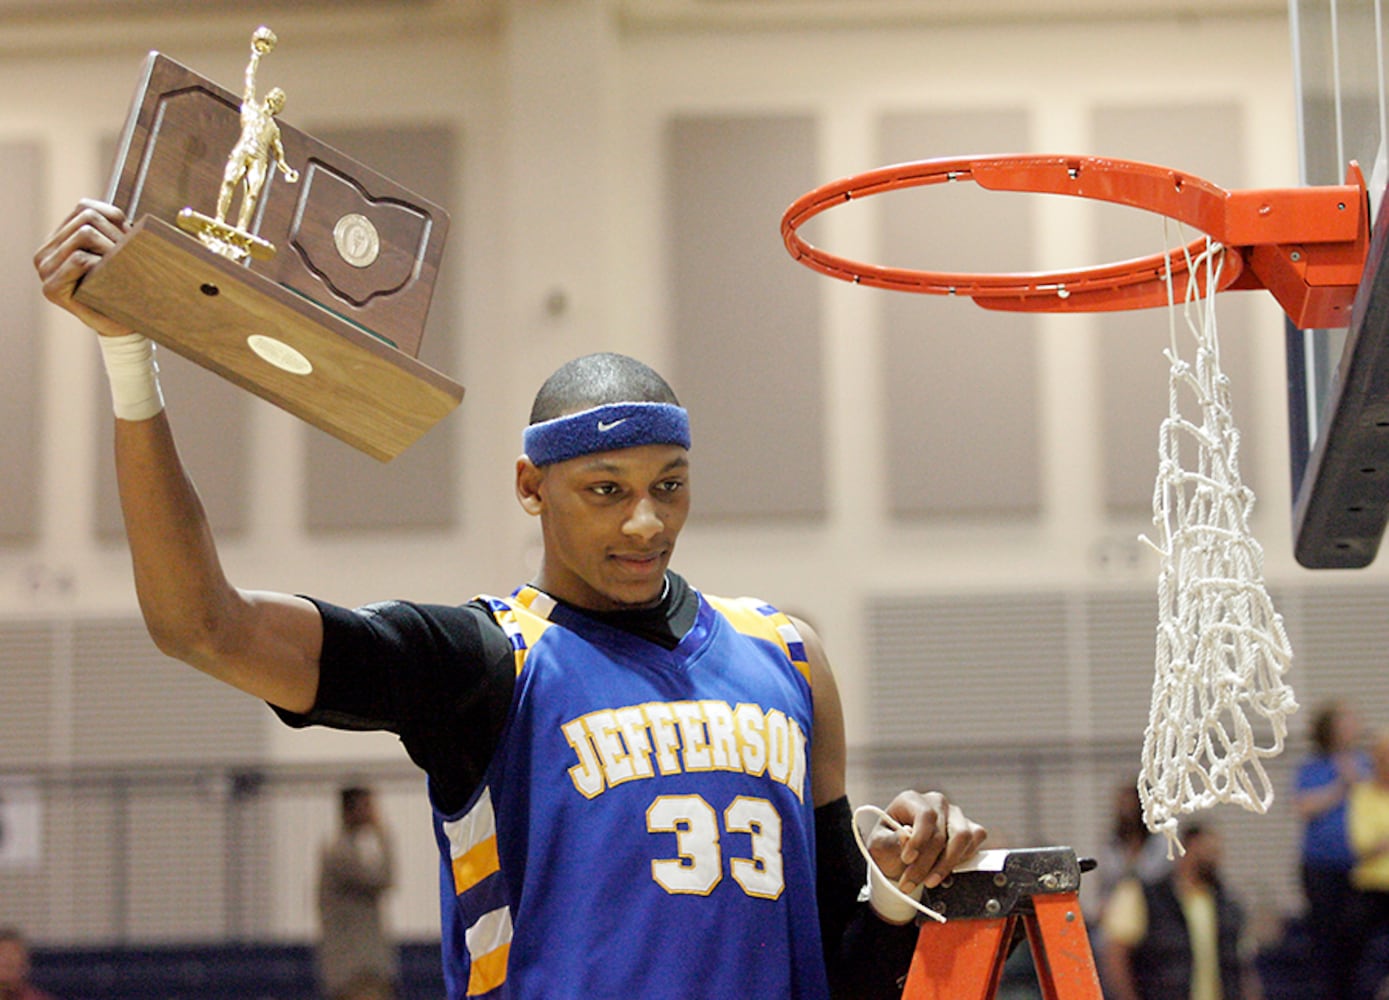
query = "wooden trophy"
{"x": 314, "y": 297}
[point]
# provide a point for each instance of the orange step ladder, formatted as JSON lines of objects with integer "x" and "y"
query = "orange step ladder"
{"x": 962, "y": 959}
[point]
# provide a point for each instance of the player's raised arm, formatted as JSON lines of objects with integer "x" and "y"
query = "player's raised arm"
{"x": 265, "y": 644}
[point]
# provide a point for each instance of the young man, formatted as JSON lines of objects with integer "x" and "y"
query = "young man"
{"x": 638, "y": 789}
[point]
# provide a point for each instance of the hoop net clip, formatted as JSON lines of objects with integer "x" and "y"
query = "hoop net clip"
{"x": 1307, "y": 246}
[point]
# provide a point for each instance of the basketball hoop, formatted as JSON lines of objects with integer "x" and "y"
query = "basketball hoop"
{"x": 1307, "y": 246}
{"x": 1219, "y": 706}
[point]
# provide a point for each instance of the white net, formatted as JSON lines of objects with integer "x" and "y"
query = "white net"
{"x": 1220, "y": 705}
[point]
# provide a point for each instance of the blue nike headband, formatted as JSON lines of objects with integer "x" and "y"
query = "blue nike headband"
{"x": 606, "y": 428}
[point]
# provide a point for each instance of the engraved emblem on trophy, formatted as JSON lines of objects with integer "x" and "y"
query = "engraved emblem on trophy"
{"x": 256, "y": 153}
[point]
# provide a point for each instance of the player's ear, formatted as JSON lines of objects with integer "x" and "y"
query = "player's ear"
{"x": 528, "y": 477}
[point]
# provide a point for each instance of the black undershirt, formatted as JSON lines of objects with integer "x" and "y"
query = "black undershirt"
{"x": 664, "y": 623}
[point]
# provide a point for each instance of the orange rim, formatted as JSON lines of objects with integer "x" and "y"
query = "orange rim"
{"x": 1305, "y": 245}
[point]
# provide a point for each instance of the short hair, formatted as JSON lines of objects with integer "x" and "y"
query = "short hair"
{"x": 598, "y": 379}
{"x": 1324, "y": 727}
{"x": 351, "y": 796}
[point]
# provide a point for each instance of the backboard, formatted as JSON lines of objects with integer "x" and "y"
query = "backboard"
{"x": 1338, "y": 380}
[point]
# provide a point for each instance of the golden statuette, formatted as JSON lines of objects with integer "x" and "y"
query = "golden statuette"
{"x": 248, "y": 167}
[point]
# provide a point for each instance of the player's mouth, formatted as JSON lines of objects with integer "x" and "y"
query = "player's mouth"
{"x": 640, "y": 562}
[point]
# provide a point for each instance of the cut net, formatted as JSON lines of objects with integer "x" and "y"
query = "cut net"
{"x": 1219, "y": 705}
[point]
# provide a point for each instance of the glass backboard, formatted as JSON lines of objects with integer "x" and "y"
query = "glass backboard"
{"x": 1338, "y": 380}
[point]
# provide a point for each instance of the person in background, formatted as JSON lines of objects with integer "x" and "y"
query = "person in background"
{"x": 355, "y": 952}
{"x": 14, "y": 968}
{"x": 1367, "y": 822}
{"x": 1181, "y": 937}
{"x": 1321, "y": 791}
{"x": 1132, "y": 852}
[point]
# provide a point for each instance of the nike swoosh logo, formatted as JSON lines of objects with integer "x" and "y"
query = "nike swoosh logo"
{"x": 603, "y": 428}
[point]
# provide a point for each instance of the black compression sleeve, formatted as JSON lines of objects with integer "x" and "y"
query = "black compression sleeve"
{"x": 440, "y": 677}
{"x": 840, "y": 873}
{"x": 866, "y": 958}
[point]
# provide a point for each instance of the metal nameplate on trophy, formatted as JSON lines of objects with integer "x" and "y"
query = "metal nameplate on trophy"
{"x": 272, "y": 259}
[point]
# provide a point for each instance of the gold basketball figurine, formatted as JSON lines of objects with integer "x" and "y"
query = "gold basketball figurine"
{"x": 248, "y": 167}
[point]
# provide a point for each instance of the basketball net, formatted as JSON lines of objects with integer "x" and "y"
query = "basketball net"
{"x": 1219, "y": 705}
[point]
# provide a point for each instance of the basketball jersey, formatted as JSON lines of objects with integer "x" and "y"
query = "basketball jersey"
{"x": 645, "y": 827}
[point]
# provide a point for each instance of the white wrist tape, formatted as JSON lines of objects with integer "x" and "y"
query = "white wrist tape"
{"x": 888, "y": 901}
{"x": 133, "y": 374}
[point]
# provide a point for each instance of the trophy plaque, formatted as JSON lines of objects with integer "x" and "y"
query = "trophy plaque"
{"x": 311, "y": 293}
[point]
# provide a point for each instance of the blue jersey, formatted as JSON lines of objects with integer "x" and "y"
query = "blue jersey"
{"x": 645, "y": 827}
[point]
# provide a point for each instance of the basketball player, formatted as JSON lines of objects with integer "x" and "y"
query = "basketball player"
{"x": 638, "y": 789}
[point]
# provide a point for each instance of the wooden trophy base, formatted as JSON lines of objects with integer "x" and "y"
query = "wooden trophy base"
{"x": 268, "y": 339}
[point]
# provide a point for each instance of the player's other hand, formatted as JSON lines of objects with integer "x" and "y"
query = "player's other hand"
{"x": 72, "y": 250}
{"x": 933, "y": 837}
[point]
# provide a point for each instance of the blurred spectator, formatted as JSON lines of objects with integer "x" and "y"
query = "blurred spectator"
{"x": 1131, "y": 852}
{"x": 14, "y": 968}
{"x": 367, "y": 986}
{"x": 1181, "y": 937}
{"x": 356, "y": 956}
{"x": 1367, "y": 819}
{"x": 1321, "y": 792}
